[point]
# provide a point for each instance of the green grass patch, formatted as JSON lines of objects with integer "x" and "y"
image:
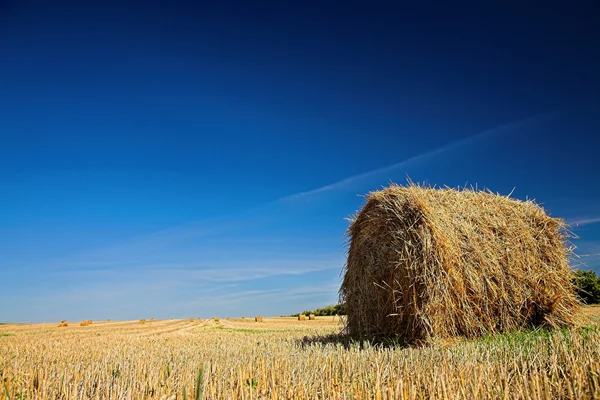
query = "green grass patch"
{"x": 3, "y": 334}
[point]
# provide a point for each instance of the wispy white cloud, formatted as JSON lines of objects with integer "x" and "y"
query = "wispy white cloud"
{"x": 590, "y": 255}
{"x": 498, "y": 130}
{"x": 195, "y": 273}
{"x": 281, "y": 294}
{"x": 584, "y": 221}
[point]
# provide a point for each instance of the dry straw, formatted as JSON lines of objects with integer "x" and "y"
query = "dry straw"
{"x": 85, "y": 322}
{"x": 301, "y": 317}
{"x": 63, "y": 324}
{"x": 258, "y": 319}
{"x": 312, "y": 317}
{"x": 426, "y": 264}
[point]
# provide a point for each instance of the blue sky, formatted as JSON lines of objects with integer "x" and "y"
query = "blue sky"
{"x": 181, "y": 160}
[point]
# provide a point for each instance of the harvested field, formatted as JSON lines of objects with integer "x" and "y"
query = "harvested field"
{"x": 274, "y": 359}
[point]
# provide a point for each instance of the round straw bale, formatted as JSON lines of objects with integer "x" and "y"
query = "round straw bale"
{"x": 301, "y": 317}
{"x": 258, "y": 319}
{"x": 312, "y": 317}
{"x": 427, "y": 264}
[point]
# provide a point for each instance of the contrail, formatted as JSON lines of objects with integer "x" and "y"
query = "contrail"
{"x": 452, "y": 146}
{"x": 585, "y": 221}
{"x": 210, "y": 225}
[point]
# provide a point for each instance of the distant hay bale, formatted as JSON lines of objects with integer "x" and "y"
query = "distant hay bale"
{"x": 426, "y": 264}
{"x": 258, "y": 319}
{"x": 63, "y": 324}
{"x": 301, "y": 317}
{"x": 216, "y": 319}
{"x": 85, "y": 322}
{"x": 142, "y": 321}
{"x": 107, "y": 319}
{"x": 312, "y": 317}
{"x": 152, "y": 319}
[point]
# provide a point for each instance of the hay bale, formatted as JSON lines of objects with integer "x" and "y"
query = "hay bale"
{"x": 427, "y": 264}
{"x": 312, "y": 317}
{"x": 258, "y": 319}
{"x": 142, "y": 321}
{"x": 301, "y": 317}
{"x": 85, "y": 322}
{"x": 63, "y": 324}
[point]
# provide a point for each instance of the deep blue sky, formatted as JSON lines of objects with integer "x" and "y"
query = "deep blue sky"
{"x": 175, "y": 160}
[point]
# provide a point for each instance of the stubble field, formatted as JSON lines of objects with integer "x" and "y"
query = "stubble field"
{"x": 282, "y": 358}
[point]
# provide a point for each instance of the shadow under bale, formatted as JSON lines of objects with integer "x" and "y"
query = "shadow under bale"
{"x": 427, "y": 264}
{"x": 348, "y": 341}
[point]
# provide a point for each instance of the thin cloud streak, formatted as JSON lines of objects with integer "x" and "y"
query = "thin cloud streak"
{"x": 279, "y": 294}
{"x": 229, "y": 272}
{"x": 211, "y": 226}
{"x": 452, "y": 146}
{"x": 585, "y": 221}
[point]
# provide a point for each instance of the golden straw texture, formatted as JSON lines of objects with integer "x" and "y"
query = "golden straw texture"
{"x": 426, "y": 264}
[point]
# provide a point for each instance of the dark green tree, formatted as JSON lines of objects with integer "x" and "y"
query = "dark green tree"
{"x": 587, "y": 285}
{"x": 338, "y": 309}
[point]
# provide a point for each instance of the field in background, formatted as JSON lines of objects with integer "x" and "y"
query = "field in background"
{"x": 243, "y": 359}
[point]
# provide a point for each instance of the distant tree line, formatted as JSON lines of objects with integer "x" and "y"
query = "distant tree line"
{"x": 587, "y": 285}
{"x": 338, "y": 309}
